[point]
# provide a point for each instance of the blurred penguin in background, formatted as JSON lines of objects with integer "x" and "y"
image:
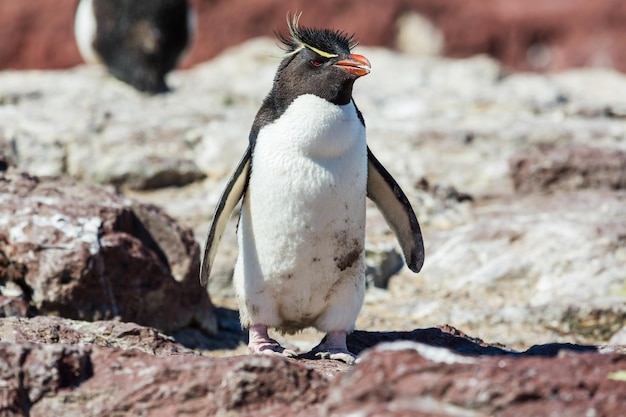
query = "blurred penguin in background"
{"x": 139, "y": 41}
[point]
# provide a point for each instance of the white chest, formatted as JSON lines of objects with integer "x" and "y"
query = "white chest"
{"x": 311, "y": 127}
{"x": 302, "y": 226}
{"x": 305, "y": 204}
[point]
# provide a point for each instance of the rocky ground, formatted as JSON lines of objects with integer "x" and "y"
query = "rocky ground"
{"x": 519, "y": 182}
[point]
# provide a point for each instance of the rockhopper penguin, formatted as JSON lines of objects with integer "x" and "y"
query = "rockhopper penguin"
{"x": 304, "y": 178}
{"x": 139, "y": 41}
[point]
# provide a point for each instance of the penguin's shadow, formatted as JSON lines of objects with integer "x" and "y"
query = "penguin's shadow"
{"x": 450, "y": 338}
{"x": 231, "y": 336}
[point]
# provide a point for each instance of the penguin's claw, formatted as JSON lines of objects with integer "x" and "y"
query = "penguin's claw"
{"x": 334, "y": 347}
{"x": 261, "y": 343}
{"x": 345, "y": 357}
{"x": 272, "y": 348}
{"x": 289, "y": 353}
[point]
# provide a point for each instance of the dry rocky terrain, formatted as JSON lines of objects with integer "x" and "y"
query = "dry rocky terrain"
{"x": 519, "y": 182}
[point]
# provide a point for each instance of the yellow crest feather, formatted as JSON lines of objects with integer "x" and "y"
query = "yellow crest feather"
{"x": 293, "y": 25}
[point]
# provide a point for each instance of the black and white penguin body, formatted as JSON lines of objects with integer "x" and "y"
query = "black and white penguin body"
{"x": 302, "y": 226}
{"x": 304, "y": 180}
{"x": 139, "y": 41}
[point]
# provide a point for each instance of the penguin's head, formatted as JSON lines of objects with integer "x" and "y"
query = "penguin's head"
{"x": 319, "y": 62}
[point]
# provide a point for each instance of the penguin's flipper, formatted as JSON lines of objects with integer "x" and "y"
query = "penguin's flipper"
{"x": 233, "y": 192}
{"x": 383, "y": 190}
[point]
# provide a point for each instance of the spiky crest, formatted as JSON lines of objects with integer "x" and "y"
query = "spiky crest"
{"x": 324, "y": 42}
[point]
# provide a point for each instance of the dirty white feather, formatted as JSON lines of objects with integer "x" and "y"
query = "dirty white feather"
{"x": 302, "y": 227}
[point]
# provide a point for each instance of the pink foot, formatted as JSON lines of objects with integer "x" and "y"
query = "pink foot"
{"x": 334, "y": 347}
{"x": 260, "y": 343}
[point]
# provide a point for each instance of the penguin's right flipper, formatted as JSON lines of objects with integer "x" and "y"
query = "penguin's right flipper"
{"x": 233, "y": 192}
{"x": 383, "y": 190}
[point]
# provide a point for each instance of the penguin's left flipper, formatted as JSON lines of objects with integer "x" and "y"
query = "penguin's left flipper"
{"x": 383, "y": 190}
{"x": 233, "y": 192}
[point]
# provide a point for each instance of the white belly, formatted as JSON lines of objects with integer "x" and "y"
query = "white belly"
{"x": 302, "y": 227}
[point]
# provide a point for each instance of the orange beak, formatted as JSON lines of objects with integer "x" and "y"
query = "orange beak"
{"x": 356, "y": 65}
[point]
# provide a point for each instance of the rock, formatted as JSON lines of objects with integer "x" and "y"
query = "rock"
{"x": 13, "y": 306}
{"x": 82, "y": 252}
{"x": 99, "y": 143}
{"x": 100, "y": 381}
{"x": 550, "y": 37}
{"x": 25, "y": 149}
{"x": 114, "y": 334}
{"x": 619, "y": 337}
{"x": 73, "y": 372}
{"x": 381, "y": 264}
{"x": 467, "y": 110}
{"x": 547, "y": 168}
{"x": 514, "y": 270}
{"x": 177, "y": 243}
{"x": 136, "y": 172}
{"x": 31, "y": 372}
{"x": 406, "y": 378}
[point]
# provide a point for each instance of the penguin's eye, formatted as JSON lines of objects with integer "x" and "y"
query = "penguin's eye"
{"x": 316, "y": 63}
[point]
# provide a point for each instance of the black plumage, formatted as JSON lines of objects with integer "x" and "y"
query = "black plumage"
{"x": 140, "y": 41}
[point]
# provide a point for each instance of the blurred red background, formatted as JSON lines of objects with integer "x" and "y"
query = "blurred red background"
{"x": 564, "y": 33}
